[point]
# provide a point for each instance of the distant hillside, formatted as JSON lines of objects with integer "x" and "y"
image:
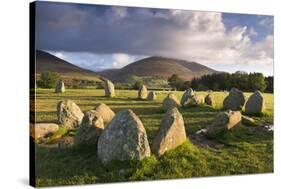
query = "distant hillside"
{"x": 48, "y": 62}
{"x": 160, "y": 67}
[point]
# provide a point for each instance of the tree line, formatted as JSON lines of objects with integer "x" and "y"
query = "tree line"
{"x": 216, "y": 82}
{"x": 225, "y": 81}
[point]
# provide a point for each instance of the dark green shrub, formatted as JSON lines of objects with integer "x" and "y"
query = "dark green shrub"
{"x": 48, "y": 79}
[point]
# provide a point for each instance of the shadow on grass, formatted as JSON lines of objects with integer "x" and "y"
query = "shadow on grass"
{"x": 80, "y": 163}
{"x": 43, "y": 117}
{"x": 245, "y": 134}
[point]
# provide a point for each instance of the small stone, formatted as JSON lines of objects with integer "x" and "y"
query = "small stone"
{"x": 195, "y": 100}
{"x": 170, "y": 101}
{"x": 109, "y": 88}
{"x": 269, "y": 128}
{"x": 142, "y": 93}
{"x": 201, "y": 131}
{"x": 151, "y": 96}
{"x": 209, "y": 100}
{"x": 186, "y": 95}
{"x": 60, "y": 87}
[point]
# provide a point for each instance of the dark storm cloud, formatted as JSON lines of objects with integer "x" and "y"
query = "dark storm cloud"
{"x": 100, "y": 29}
{"x": 190, "y": 35}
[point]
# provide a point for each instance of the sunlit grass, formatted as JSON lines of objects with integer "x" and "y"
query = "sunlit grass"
{"x": 244, "y": 150}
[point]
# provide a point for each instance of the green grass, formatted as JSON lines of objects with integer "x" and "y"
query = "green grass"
{"x": 243, "y": 150}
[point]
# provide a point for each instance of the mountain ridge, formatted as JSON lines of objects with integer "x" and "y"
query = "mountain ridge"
{"x": 45, "y": 61}
{"x": 160, "y": 67}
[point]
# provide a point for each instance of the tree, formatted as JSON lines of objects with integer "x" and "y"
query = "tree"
{"x": 137, "y": 85}
{"x": 186, "y": 85}
{"x": 48, "y": 79}
{"x": 269, "y": 84}
{"x": 195, "y": 83}
{"x": 175, "y": 82}
{"x": 256, "y": 81}
{"x": 240, "y": 80}
{"x": 225, "y": 81}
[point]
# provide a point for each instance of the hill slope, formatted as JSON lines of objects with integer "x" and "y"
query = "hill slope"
{"x": 48, "y": 62}
{"x": 159, "y": 66}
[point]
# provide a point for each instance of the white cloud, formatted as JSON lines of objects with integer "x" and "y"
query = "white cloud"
{"x": 60, "y": 55}
{"x": 259, "y": 53}
{"x": 252, "y": 32}
{"x": 203, "y": 38}
{"x": 120, "y": 60}
{"x": 267, "y": 21}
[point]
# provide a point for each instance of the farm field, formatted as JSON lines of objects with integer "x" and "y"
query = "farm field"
{"x": 243, "y": 150}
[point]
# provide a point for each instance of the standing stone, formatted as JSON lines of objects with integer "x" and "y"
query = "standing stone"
{"x": 40, "y": 130}
{"x": 170, "y": 101}
{"x": 255, "y": 103}
{"x": 105, "y": 112}
{"x": 195, "y": 100}
{"x": 209, "y": 100}
{"x": 224, "y": 121}
{"x": 60, "y": 87}
{"x": 69, "y": 114}
{"x": 235, "y": 100}
{"x": 188, "y": 93}
{"x": 91, "y": 128}
{"x": 123, "y": 139}
{"x": 170, "y": 134}
{"x": 109, "y": 88}
{"x": 142, "y": 94}
{"x": 151, "y": 96}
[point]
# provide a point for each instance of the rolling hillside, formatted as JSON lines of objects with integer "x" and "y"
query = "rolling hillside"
{"x": 160, "y": 67}
{"x": 48, "y": 62}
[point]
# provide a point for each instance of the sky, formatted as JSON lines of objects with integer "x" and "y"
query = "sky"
{"x": 100, "y": 37}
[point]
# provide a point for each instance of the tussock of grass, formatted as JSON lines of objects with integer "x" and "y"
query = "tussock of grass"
{"x": 243, "y": 150}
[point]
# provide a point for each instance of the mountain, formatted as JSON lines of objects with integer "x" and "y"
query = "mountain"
{"x": 160, "y": 67}
{"x": 48, "y": 62}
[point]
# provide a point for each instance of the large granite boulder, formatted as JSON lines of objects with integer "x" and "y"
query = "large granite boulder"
{"x": 255, "y": 103}
{"x": 195, "y": 100}
{"x": 109, "y": 88}
{"x": 209, "y": 100}
{"x": 142, "y": 93}
{"x": 105, "y": 112}
{"x": 60, "y": 87}
{"x": 69, "y": 114}
{"x": 170, "y": 134}
{"x": 151, "y": 96}
{"x": 235, "y": 100}
{"x": 170, "y": 101}
{"x": 90, "y": 129}
{"x": 188, "y": 93}
{"x": 124, "y": 138}
{"x": 41, "y": 130}
{"x": 223, "y": 122}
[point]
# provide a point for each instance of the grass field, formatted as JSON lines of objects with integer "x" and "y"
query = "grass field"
{"x": 243, "y": 150}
